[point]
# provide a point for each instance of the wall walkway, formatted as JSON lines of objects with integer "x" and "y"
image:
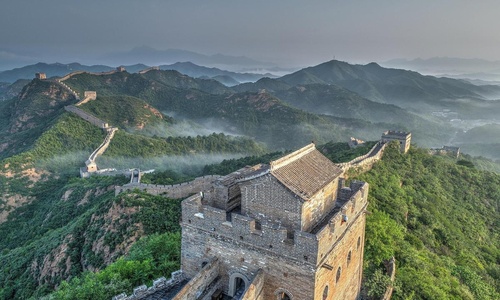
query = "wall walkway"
{"x": 367, "y": 160}
{"x": 86, "y": 116}
{"x": 110, "y": 132}
{"x": 100, "y": 150}
{"x": 66, "y": 87}
{"x": 175, "y": 191}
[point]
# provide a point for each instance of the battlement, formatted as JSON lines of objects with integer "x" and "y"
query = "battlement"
{"x": 446, "y": 150}
{"x": 169, "y": 287}
{"x": 351, "y": 204}
{"x": 175, "y": 191}
{"x": 245, "y": 230}
{"x": 395, "y": 133}
{"x": 157, "y": 68}
{"x": 272, "y": 238}
{"x": 404, "y": 138}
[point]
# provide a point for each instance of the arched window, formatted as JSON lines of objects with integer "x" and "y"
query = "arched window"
{"x": 349, "y": 256}
{"x": 283, "y": 294}
{"x": 339, "y": 271}
{"x": 325, "y": 293}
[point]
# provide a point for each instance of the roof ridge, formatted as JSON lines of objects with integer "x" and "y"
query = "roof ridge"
{"x": 287, "y": 159}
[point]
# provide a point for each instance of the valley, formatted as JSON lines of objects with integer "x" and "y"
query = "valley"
{"x": 63, "y": 228}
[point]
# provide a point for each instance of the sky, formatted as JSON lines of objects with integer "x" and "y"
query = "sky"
{"x": 288, "y": 33}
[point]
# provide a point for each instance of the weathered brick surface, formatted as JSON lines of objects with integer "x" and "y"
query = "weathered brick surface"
{"x": 200, "y": 281}
{"x": 298, "y": 266}
{"x": 318, "y": 206}
{"x": 175, "y": 191}
{"x": 348, "y": 285}
{"x": 256, "y": 289}
{"x": 268, "y": 201}
{"x": 279, "y": 242}
{"x": 245, "y": 260}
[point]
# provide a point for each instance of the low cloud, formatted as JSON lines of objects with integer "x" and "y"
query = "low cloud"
{"x": 184, "y": 127}
{"x": 185, "y": 164}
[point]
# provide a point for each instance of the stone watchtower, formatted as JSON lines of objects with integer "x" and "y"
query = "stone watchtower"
{"x": 404, "y": 139}
{"x": 40, "y": 76}
{"x": 287, "y": 230}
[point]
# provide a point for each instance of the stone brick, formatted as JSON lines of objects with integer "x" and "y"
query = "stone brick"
{"x": 277, "y": 242}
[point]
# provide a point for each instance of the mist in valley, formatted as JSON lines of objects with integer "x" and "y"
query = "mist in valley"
{"x": 189, "y": 164}
{"x": 64, "y": 163}
{"x": 183, "y": 127}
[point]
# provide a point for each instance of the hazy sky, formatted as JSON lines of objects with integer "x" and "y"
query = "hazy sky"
{"x": 287, "y": 32}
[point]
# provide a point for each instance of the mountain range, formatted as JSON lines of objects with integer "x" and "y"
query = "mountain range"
{"x": 151, "y": 56}
{"x": 425, "y": 209}
{"x": 341, "y": 98}
{"x": 450, "y": 67}
{"x": 188, "y": 68}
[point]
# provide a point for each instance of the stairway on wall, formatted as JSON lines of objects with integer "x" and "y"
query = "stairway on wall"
{"x": 66, "y": 87}
{"x": 90, "y": 164}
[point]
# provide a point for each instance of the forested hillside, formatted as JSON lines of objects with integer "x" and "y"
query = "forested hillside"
{"x": 261, "y": 115}
{"x": 437, "y": 215}
{"x": 438, "y": 218}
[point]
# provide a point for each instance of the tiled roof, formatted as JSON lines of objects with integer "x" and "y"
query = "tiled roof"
{"x": 231, "y": 178}
{"x": 305, "y": 171}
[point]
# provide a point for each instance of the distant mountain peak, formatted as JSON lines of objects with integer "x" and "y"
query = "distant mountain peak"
{"x": 152, "y": 56}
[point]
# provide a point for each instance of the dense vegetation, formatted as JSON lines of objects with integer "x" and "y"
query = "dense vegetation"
{"x": 128, "y": 145}
{"x": 64, "y": 146}
{"x": 230, "y": 165}
{"x": 72, "y": 225}
{"x": 155, "y": 255}
{"x": 133, "y": 113}
{"x": 436, "y": 217}
{"x": 26, "y": 117}
{"x": 440, "y": 220}
{"x": 341, "y": 152}
{"x": 259, "y": 115}
{"x": 58, "y": 213}
{"x": 151, "y": 257}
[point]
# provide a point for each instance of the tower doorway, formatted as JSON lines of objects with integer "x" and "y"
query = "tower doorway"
{"x": 237, "y": 285}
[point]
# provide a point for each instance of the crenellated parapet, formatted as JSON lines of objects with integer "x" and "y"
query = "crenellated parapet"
{"x": 403, "y": 138}
{"x": 351, "y": 204}
{"x": 176, "y": 281}
{"x": 174, "y": 191}
{"x": 87, "y": 117}
{"x": 302, "y": 246}
{"x": 367, "y": 160}
{"x": 156, "y": 68}
{"x": 273, "y": 239}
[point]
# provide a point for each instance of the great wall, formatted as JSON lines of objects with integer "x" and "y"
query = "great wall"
{"x": 364, "y": 161}
{"x": 174, "y": 191}
{"x": 90, "y": 163}
{"x": 367, "y": 160}
{"x": 206, "y": 283}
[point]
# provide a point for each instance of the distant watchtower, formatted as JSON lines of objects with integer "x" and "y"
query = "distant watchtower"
{"x": 92, "y": 95}
{"x": 40, "y": 76}
{"x": 404, "y": 139}
{"x": 120, "y": 69}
